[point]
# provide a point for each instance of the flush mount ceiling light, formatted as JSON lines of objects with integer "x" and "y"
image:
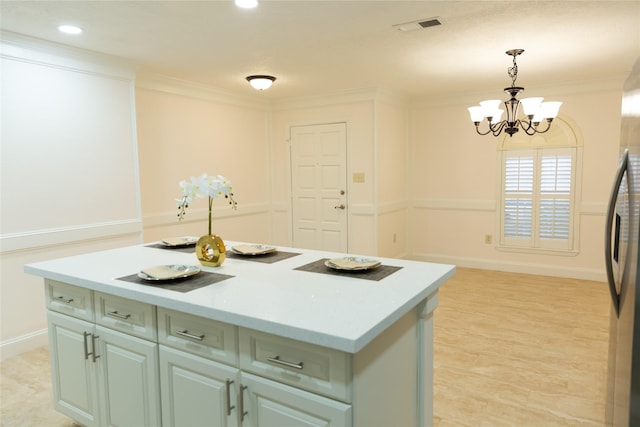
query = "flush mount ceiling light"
{"x": 69, "y": 29}
{"x": 261, "y": 82}
{"x": 246, "y": 4}
{"x": 534, "y": 109}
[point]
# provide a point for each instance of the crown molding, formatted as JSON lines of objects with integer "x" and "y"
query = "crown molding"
{"x": 613, "y": 83}
{"x": 176, "y": 86}
{"x": 342, "y": 97}
{"x": 42, "y": 52}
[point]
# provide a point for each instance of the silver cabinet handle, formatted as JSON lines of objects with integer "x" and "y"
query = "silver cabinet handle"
{"x": 340, "y": 206}
{"x": 61, "y": 298}
{"x": 229, "y": 407}
{"x": 241, "y": 403}
{"x": 86, "y": 346}
{"x": 186, "y": 334}
{"x": 93, "y": 347}
{"x": 94, "y": 337}
{"x": 117, "y": 315}
{"x": 285, "y": 363}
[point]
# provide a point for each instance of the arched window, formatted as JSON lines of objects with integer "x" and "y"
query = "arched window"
{"x": 540, "y": 189}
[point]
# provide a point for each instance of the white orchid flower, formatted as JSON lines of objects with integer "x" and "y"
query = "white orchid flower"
{"x": 212, "y": 187}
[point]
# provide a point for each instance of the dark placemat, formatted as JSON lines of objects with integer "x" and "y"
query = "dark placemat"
{"x": 187, "y": 284}
{"x": 269, "y": 258}
{"x": 376, "y": 274}
{"x": 189, "y": 249}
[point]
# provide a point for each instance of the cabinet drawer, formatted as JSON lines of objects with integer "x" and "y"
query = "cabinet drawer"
{"x": 311, "y": 367}
{"x": 204, "y": 337}
{"x": 69, "y": 299}
{"x": 125, "y": 315}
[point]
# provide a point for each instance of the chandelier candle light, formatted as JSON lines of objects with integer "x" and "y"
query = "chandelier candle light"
{"x": 534, "y": 109}
{"x": 210, "y": 248}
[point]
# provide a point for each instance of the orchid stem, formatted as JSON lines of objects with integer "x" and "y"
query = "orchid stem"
{"x": 210, "y": 205}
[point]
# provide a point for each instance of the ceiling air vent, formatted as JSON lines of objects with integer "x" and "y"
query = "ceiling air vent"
{"x": 419, "y": 25}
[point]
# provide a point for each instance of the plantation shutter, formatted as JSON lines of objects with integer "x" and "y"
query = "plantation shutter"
{"x": 555, "y": 197}
{"x": 538, "y": 197}
{"x": 518, "y": 198}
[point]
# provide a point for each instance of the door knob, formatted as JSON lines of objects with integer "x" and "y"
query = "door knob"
{"x": 341, "y": 207}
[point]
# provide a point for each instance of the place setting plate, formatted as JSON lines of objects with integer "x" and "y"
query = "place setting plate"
{"x": 161, "y": 273}
{"x": 352, "y": 263}
{"x": 253, "y": 250}
{"x": 176, "y": 242}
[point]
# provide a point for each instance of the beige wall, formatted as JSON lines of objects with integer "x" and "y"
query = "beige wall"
{"x": 455, "y": 187}
{"x": 392, "y": 176}
{"x": 182, "y": 134}
{"x": 430, "y": 189}
{"x": 356, "y": 110}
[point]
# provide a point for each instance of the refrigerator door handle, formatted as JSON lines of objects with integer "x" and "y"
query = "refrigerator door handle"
{"x": 615, "y": 298}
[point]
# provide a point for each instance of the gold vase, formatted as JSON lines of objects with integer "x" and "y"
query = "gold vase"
{"x": 211, "y": 251}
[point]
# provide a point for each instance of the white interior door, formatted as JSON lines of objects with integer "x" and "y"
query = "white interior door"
{"x": 319, "y": 186}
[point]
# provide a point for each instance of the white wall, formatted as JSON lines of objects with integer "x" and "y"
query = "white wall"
{"x": 69, "y": 178}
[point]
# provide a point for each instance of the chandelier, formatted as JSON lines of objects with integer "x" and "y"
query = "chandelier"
{"x": 534, "y": 109}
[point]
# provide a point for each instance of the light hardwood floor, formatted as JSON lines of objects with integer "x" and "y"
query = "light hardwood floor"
{"x": 520, "y": 350}
{"x": 510, "y": 350}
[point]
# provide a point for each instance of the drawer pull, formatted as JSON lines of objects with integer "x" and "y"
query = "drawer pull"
{"x": 229, "y": 407}
{"x": 284, "y": 362}
{"x": 118, "y": 315}
{"x": 188, "y": 335}
{"x": 61, "y": 298}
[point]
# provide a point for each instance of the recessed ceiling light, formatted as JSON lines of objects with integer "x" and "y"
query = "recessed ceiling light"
{"x": 246, "y": 4}
{"x": 69, "y": 29}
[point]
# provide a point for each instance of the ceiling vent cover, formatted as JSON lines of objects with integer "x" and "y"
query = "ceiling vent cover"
{"x": 430, "y": 23}
{"x": 419, "y": 25}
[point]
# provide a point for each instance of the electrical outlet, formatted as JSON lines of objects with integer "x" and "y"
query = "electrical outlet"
{"x": 394, "y": 237}
{"x": 488, "y": 239}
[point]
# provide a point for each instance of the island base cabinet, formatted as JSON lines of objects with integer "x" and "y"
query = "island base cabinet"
{"x": 266, "y": 403}
{"x": 196, "y": 391}
{"x": 128, "y": 383}
{"x": 102, "y": 377}
{"x": 74, "y": 380}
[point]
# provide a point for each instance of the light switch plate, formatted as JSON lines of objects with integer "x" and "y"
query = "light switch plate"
{"x": 358, "y": 177}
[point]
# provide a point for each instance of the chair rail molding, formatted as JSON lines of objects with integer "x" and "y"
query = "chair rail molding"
{"x": 26, "y": 240}
{"x": 161, "y": 219}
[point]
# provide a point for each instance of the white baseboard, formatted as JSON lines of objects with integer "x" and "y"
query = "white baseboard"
{"x": 515, "y": 267}
{"x": 23, "y": 344}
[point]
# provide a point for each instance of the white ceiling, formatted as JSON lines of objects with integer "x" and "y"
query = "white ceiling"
{"x": 320, "y": 47}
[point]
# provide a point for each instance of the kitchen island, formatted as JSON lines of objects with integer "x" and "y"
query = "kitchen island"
{"x": 262, "y": 341}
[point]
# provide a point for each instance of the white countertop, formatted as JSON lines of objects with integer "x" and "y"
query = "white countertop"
{"x": 344, "y": 313}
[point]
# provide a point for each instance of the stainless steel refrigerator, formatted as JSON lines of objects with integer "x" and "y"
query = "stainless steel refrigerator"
{"x": 622, "y": 236}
